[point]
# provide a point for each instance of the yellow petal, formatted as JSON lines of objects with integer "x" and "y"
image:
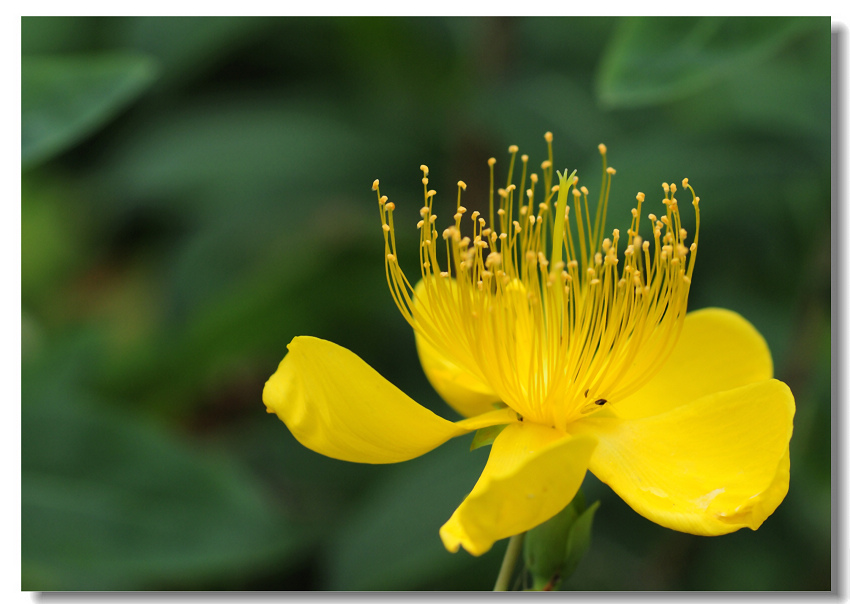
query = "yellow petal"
{"x": 709, "y": 467}
{"x": 532, "y": 473}
{"x": 717, "y": 350}
{"x": 464, "y": 392}
{"x": 455, "y": 384}
{"x": 337, "y": 405}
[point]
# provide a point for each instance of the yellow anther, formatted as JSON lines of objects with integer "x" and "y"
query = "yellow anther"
{"x": 423, "y": 211}
{"x": 533, "y": 178}
{"x": 684, "y": 183}
{"x": 555, "y": 188}
{"x": 634, "y": 213}
{"x": 390, "y": 206}
{"x": 444, "y": 274}
{"x": 390, "y": 257}
{"x": 666, "y": 187}
{"x": 501, "y": 212}
{"x": 696, "y": 201}
{"x": 491, "y": 161}
{"x": 511, "y": 187}
{"x": 424, "y": 169}
{"x": 432, "y": 219}
{"x": 386, "y": 228}
{"x": 576, "y": 193}
{"x": 546, "y": 165}
{"x": 375, "y": 185}
{"x": 475, "y": 215}
{"x": 431, "y": 193}
{"x": 513, "y": 149}
{"x": 383, "y": 199}
{"x": 584, "y": 190}
{"x": 603, "y": 149}
{"x": 548, "y": 137}
{"x": 524, "y": 158}
{"x": 461, "y": 184}
{"x": 461, "y": 210}
{"x": 640, "y": 197}
{"x": 424, "y": 181}
{"x": 611, "y": 170}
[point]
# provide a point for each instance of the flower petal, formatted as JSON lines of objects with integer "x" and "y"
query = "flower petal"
{"x": 532, "y": 473}
{"x": 337, "y": 405}
{"x": 464, "y": 392}
{"x": 717, "y": 350}
{"x": 456, "y": 385}
{"x": 709, "y": 467}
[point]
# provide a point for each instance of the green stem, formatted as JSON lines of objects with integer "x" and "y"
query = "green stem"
{"x": 511, "y": 555}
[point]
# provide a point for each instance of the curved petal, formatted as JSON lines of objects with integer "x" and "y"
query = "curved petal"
{"x": 337, "y": 405}
{"x": 709, "y": 467}
{"x": 462, "y": 390}
{"x": 717, "y": 350}
{"x": 532, "y": 473}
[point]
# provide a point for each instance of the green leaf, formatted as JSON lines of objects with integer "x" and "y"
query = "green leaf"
{"x": 111, "y": 500}
{"x": 543, "y": 547}
{"x": 486, "y": 436}
{"x": 657, "y": 60}
{"x": 578, "y": 540}
{"x": 64, "y": 99}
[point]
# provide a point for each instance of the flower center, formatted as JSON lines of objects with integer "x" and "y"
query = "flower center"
{"x": 538, "y": 306}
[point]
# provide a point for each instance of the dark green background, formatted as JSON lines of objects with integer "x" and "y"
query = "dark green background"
{"x": 196, "y": 192}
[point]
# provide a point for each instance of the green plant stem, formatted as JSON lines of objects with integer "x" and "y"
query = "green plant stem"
{"x": 503, "y": 581}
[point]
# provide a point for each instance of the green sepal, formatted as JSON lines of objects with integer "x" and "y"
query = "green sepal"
{"x": 485, "y": 436}
{"x": 553, "y": 549}
{"x": 578, "y": 541}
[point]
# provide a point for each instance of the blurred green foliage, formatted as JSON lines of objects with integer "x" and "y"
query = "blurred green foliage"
{"x": 195, "y": 193}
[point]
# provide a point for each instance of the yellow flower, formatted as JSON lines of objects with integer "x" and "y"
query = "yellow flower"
{"x": 587, "y": 358}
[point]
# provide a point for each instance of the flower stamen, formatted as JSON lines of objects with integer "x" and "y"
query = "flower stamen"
{"x": 543, "y": 308}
